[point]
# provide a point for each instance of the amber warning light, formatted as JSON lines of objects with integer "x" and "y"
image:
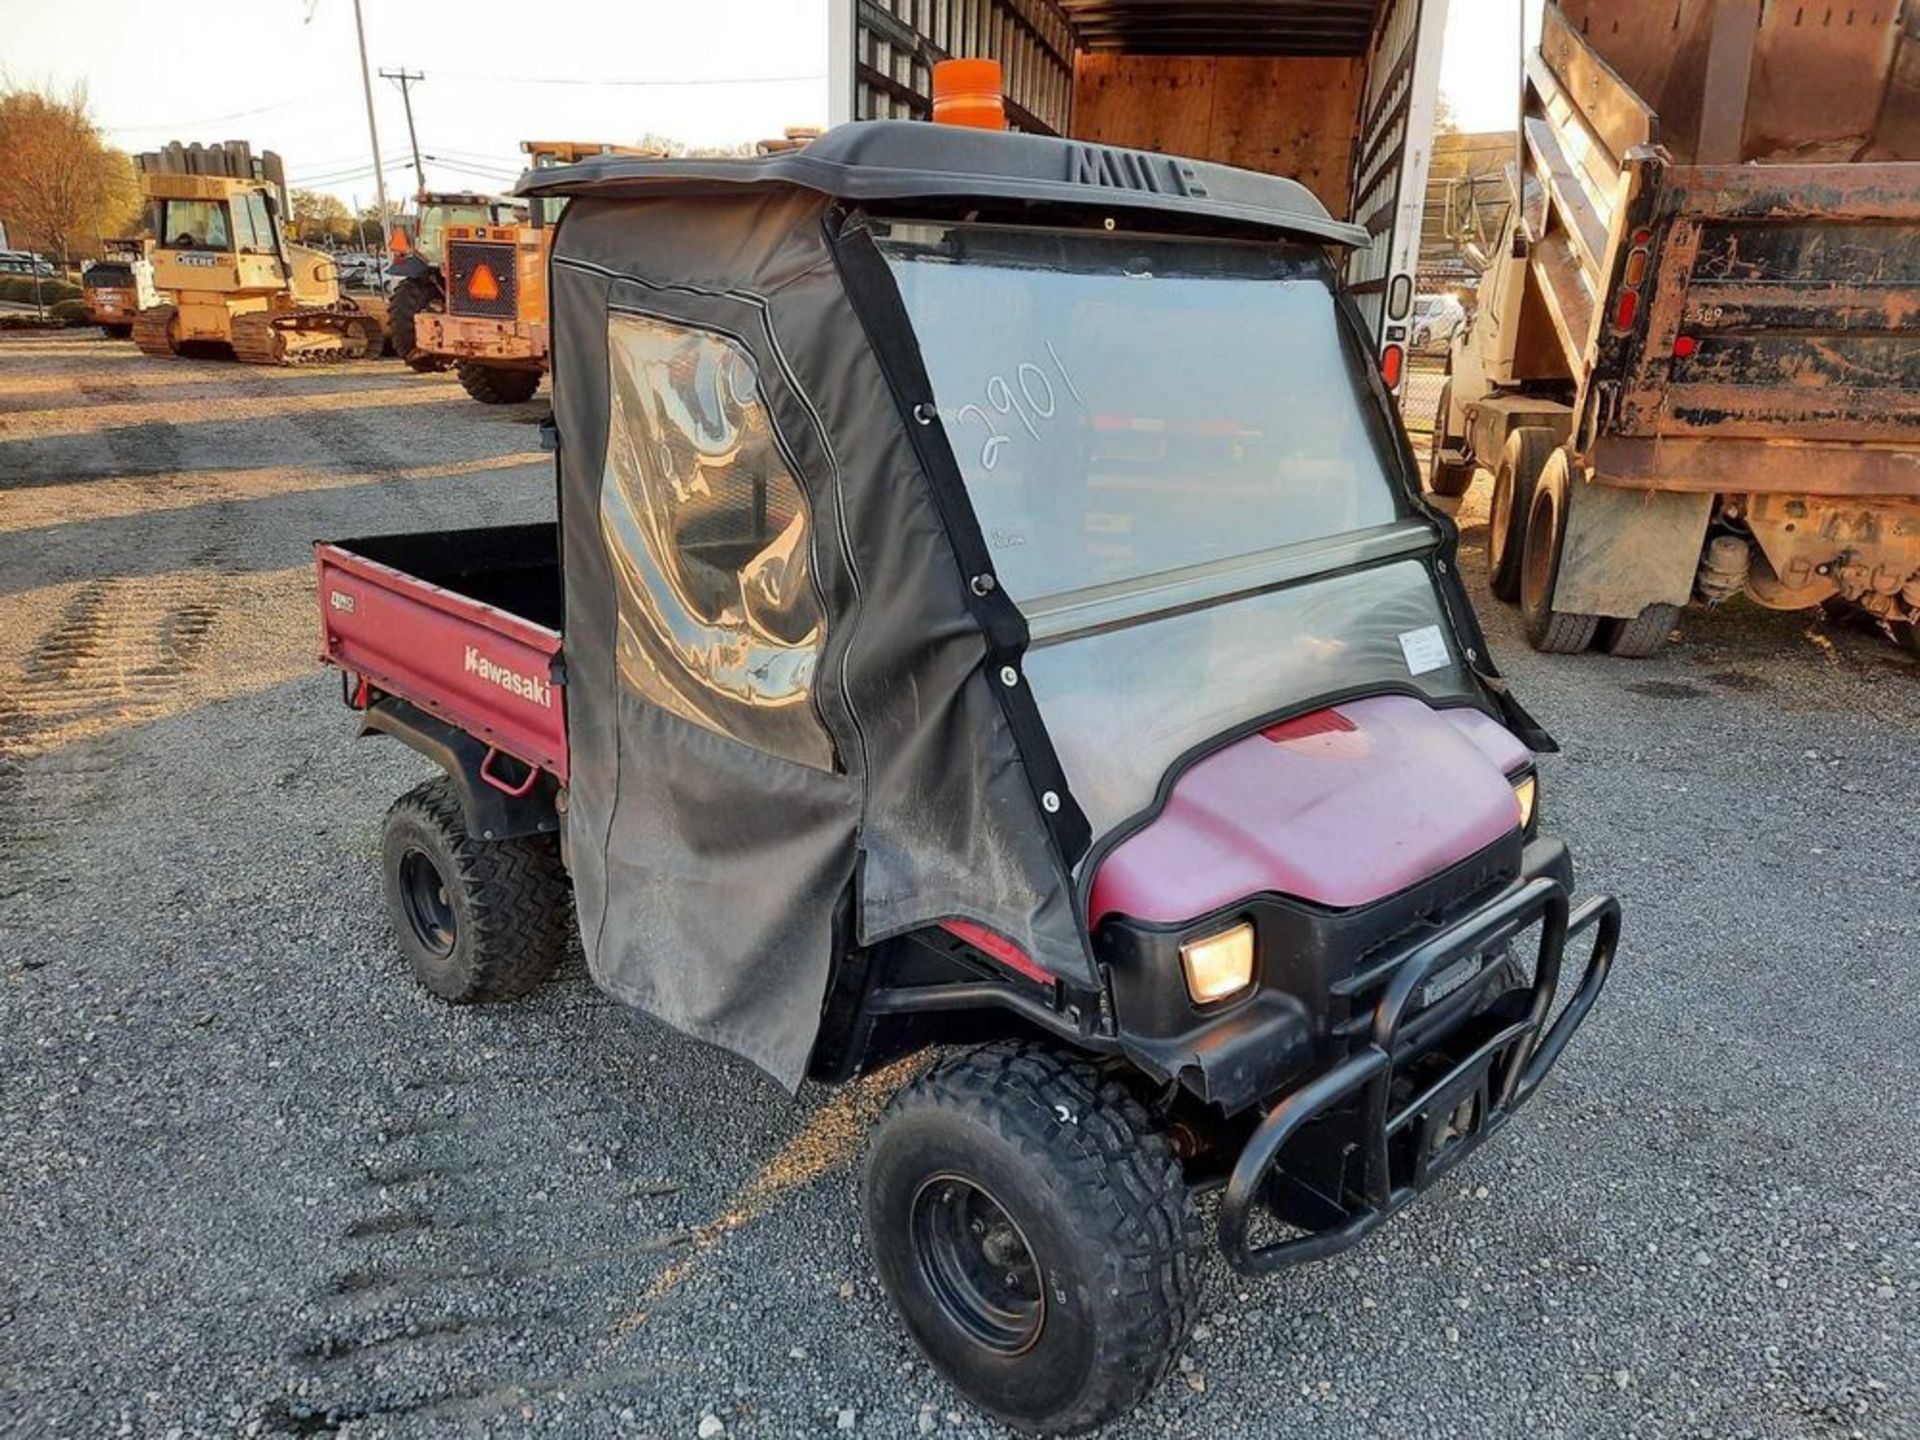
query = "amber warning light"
{"x": 967, "y": 92}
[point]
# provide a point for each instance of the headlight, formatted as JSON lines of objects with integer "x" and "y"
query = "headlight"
{"x": 1219, "y": 965}
{"x": 1526, "y": 790}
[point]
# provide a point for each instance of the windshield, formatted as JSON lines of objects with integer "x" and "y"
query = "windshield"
{"x": 1123, "y": 407}
{"x": 435, "y": 219}
{"x": 196, "y": 225}
{"x": 1182, "y": 478}
{"x": 218, "y": 225}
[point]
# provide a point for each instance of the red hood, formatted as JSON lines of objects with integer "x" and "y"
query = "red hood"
{"x": 1340, "y": 807}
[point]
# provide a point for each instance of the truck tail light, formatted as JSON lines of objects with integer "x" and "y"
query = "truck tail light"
{"x": 1392, "y": 359}
{"x": 1627, "y": 307}
{"x": 1684, "y": 346}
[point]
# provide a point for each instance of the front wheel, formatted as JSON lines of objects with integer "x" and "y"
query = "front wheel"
{"x": 497, "y": 385}
{"x": 1035, "y": 1234}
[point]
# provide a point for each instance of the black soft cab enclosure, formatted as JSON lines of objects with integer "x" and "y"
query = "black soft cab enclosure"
{"x": 884, "y": 464}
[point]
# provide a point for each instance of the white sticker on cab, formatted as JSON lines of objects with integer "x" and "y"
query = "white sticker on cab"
{"x": 1425, "y": 649}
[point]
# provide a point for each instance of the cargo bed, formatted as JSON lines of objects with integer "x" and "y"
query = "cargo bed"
{"x": 462, "y": 624}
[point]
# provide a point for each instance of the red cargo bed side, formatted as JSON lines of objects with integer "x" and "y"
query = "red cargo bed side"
{"x": 476, "y": 666}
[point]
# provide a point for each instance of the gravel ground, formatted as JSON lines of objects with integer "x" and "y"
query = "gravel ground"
{"x": 253, "y": 1181}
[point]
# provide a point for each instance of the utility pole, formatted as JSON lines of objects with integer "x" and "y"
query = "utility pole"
{"x": 373, "y": 130}
{"x": 403, "y": 77}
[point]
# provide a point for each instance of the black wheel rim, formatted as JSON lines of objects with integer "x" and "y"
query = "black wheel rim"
{"x": 423, "y": 892}
{"x": 978, "y": 1265}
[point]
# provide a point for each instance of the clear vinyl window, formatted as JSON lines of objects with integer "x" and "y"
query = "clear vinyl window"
{"x": 710, "y": 540}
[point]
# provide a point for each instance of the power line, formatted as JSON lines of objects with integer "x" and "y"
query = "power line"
{"x": 663, "y": 81}
{"x": 217, "y": 119}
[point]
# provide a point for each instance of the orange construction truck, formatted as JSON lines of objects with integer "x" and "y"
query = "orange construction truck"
{"x": 494, "y": 327}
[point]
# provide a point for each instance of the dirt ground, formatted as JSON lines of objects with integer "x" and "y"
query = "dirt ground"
{"x": 253, "y": 1181}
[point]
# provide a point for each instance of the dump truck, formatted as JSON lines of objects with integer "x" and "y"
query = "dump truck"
{"x": 493, "y": 325}
{"x": 1694, "y": 370}
{"x": 118, "y": 286}
{"x": 228, "y": 275}
{"x": 419, "y": 250}
{"x": 1339, "y": 95}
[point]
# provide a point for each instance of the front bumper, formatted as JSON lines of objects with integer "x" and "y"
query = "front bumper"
{"x": 1427, "y": 1086}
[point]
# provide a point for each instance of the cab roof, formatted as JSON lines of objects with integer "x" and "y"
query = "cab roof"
{"x": 881, "y": 160}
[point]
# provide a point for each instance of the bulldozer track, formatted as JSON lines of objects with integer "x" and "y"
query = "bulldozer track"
{"x": 153, "y": 330}
{"x": 310, "y": 335}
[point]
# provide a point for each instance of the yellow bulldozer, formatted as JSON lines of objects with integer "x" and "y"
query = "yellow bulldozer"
{"x": 227, "y": 273}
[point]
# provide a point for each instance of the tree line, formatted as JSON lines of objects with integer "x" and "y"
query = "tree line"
{"x": 63, "y": 189}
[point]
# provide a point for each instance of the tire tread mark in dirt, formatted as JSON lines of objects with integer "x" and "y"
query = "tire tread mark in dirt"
{"x": 114, "y": 655}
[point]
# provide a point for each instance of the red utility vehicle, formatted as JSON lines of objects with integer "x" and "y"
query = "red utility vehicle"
{"x": 946, "y": 666}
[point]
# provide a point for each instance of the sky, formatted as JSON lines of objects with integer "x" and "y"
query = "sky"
{"x": 285, "y": 75}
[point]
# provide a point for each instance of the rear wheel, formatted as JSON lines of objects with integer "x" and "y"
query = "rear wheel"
{"x": 1639, "y": 637}
{"x": 413, "y": 299}
{"x": 1444, "y": 477}
{"x": 1522, "y": 459}
{"x": 1554, "y": 632}
{"x": 477, "y": 919}
{"x": 497, "y": 385}
{"x": 1035, "y": 1234}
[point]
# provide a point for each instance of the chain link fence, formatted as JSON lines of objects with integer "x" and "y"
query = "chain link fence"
{"x": 1420, "y": 394}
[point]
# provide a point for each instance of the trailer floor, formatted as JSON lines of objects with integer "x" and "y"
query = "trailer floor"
{"x": 253, "y": 1181}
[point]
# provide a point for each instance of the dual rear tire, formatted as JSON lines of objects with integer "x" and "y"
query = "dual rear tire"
{"x": 1527, "y": 521}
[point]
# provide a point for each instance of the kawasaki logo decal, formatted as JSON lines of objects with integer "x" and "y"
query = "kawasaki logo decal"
{"x": 527, "y": 687}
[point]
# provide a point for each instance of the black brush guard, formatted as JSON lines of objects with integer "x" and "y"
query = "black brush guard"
{"x": 1449, "y": 1117}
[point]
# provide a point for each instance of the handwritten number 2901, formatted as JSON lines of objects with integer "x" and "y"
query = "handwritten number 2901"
{"x": 1028, "y": 398}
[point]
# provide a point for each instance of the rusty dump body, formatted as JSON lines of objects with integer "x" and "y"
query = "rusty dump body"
{"x": 1716, "y": 299}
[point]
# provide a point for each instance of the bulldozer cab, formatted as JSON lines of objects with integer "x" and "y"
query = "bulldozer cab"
{"x": 215, "y": 233}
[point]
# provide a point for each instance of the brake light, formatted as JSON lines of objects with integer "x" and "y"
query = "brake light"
{"x": 1684, "y": 346}
{"x": 1625, "y": 310}
{"x": 1391, "y": 360}
{"x": 481, "y": 285}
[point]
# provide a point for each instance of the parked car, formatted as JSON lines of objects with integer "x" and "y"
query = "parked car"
{"x": 1436, "y": 320}
{"x": 25, "y": 262}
